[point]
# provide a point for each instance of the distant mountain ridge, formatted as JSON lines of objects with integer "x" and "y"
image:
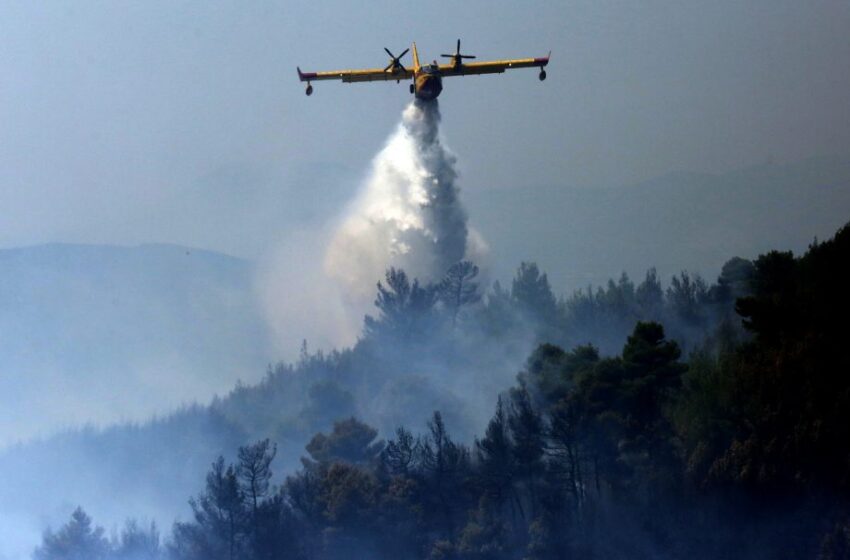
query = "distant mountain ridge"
{"x": 679, "y": 221}
{"x": 92, "y": 333}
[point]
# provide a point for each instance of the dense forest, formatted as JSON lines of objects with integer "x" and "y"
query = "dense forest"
{"x": 696, "y": 420}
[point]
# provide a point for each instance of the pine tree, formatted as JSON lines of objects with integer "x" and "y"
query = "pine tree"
{"x": 76, "y": 540}
{"x": 459, "y": 288}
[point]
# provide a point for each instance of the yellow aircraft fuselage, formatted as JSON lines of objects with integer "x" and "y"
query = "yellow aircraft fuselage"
{"x": 427, "y": 83}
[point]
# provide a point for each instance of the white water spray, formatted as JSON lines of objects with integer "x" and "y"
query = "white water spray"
{"x": 408, "y": 214}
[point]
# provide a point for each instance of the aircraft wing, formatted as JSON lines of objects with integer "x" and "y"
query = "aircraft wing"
{"x": 492, "y": 66}
{"x": 350, "y": 76}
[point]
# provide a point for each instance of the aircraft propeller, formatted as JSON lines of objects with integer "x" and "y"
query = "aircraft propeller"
{"x": 395, "y": 62}
{"x": 457, "y": 57}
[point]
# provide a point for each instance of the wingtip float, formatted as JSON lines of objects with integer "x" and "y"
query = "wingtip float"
{"x": 426, "y": 79}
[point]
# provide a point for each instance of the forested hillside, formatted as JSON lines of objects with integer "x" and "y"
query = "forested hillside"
{"x": 716, "y": 427}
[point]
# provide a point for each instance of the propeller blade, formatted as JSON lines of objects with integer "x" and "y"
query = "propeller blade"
{"x": 458, "y": 46}
{"x": 448, "y": 55}
{"x": 390, "y": 65}
{"x": 467, "y": 56}
{"x": 389, "y": 53}
{"x": 402, "y": 54}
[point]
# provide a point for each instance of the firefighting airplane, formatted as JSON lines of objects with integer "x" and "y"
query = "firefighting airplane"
{"x": 428, "y": 78}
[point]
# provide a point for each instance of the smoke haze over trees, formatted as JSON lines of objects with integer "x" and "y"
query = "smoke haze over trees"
{"x": 589, "y": 444}
{"x": 640, "y": 453}
{"x": 408, "y": 214}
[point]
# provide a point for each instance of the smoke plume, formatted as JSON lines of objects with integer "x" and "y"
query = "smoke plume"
{"x": 408, "y": 214}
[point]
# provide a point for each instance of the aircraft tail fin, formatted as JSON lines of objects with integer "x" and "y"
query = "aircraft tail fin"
{"x": 415, "y": 58}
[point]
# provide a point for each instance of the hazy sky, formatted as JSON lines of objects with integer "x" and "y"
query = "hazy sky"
{"x": 127, "y": 122}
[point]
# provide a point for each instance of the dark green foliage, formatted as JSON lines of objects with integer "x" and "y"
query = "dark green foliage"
{"x": 351, "y": 441}
{"x": 254, "y": 471}
{"x": 239, "y": 514}
{"x": 405, "y": 308}
{"x": 526, "y": 432}
{"x": 735, "y": 280}
{"x": 459, "y": 288}
{"x": 400, "y": 455}
{"x": 789, "y": 393}
{"x": 219, "y": 528}
{"x": 739, "y": 451}
{"x": 495, "y": 457}
{"x": 705, "y": 412}
{"x": 652, "y": 374}
{"x": 445, "y": 466}
{"x": 485, "y": 535}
